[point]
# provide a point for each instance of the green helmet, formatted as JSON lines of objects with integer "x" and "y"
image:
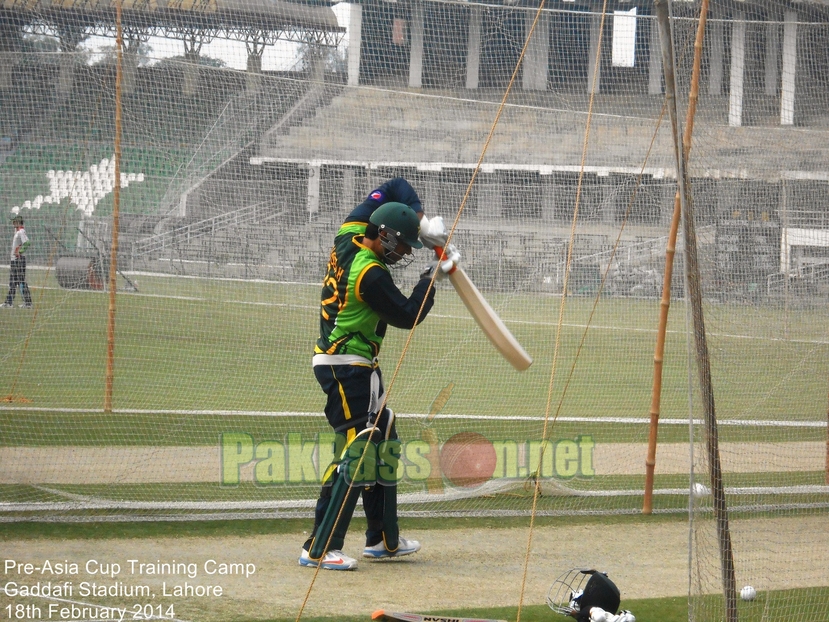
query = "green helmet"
{"x": 400, "y": 220}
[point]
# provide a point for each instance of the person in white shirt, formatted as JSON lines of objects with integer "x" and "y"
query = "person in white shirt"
{"x": 17, "y": 272}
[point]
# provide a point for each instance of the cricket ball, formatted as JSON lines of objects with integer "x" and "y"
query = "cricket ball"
{"x": 748, "y": 593}
{"x": 701, "y": 491}
{"x": 468, "y": 459}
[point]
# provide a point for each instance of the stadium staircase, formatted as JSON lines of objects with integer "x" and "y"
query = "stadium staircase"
{"x": 421, "y": 127}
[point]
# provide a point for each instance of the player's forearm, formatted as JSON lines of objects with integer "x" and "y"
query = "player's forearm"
{"x": 397, "y": 310}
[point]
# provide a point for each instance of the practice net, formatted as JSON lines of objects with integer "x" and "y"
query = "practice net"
{"x": 248, "y": 134}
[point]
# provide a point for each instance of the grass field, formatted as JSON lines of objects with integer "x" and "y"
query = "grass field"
{"x": 197, "y": 358}
{"x": 195, "y": 344}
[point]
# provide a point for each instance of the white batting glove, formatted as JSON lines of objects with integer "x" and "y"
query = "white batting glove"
{"x": 597, "y": 614}
{"x": 433, "y": 231}
{"x": 452, "y": 259}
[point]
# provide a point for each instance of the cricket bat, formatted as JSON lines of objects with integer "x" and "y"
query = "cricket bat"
{"x": 391, "y": 616}
{"x": 493, "y": 327}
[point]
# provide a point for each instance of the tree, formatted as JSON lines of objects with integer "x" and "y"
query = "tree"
{"x": 204, "y": 61}
{"x": 41, "y": 49}
{"x": 334, "y": 59}
{"x": 107, "y": 54}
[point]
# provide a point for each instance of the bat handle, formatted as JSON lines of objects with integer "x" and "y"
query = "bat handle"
{"x": 442, "y": 257}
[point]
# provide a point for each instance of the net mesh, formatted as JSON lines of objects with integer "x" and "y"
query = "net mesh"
{"x": 247, "y": 137}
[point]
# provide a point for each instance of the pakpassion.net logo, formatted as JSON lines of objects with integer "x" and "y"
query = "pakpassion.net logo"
{"x": 467, "y": 459}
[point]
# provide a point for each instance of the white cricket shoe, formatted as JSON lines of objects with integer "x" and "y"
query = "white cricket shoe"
{"x": 333, "y": 560}
{"x": 404, "y": 547}
{"x": 6, "y": 305}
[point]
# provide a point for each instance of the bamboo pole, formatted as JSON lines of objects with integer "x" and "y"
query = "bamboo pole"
{"x": 692, "y": 278}
{"x": 116, "y": 202}
{"x": 670, "y": 251}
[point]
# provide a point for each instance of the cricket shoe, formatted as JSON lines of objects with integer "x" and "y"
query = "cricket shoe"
{"x": 333, "y": 560}
{"x": 6, "y": 305}
{"x": 404, "y": 547}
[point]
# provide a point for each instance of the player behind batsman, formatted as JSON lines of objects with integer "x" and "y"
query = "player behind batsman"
{"x": 17, "y": 267}
{"x": 359, "y": 301}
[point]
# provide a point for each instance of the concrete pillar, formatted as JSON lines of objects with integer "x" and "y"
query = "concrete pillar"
{"x": 738, "y": 62}
{"x": 594, "y": 67}
{"x": 255, "y": 45}
{"x": 416, "y": 49}
{"x": 253, "y": 76}
{"x": 608, "y": 199}
{"x": 317, "y": 69}
{"x": 655, "y": 61}
{"x": 192, "y": 49}
{"x": 716, "y": 52}
{"x": 355, "y": 29}
{"x": 190, "y": 80}
{"x": 549, "y": 196}
{"x": 66, "y": 72}
{"x": 473, "y": 47}
{"x": 313, "y": 203}
{"x": 129, "y": 68}
{"x": 9, "y": 40}
{"x": 789, "y": 68}
{"x": 772, "y": 75}
{"x": 536, "y": 59}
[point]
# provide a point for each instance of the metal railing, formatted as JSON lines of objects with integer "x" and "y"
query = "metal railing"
{"x": 258, "y": 213}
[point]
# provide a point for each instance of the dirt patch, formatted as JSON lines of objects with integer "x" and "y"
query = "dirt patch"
{"x": 455, "y": 569}
{"x": 145, "y": 464}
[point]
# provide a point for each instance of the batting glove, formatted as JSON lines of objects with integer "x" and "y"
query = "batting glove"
{"x": 449, "y": 260}
{"x": 433, "y": 232}
{"x": 446, "y": 265}
{"x": 597, "y": 614}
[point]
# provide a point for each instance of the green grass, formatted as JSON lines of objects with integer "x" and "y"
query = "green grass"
{"x": 194, "y": 344}
{"x": 106, "y": 530}
{"x": 189, "y": 345}
{"x": 773, "y": 605}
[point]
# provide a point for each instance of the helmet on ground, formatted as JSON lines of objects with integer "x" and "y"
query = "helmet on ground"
{"x": 577, "y": 591}
{"x": 399, "y": 221}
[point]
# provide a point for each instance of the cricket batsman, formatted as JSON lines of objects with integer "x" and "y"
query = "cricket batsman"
{"x": 359, "y": 301}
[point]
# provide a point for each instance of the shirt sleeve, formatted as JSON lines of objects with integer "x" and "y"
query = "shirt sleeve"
{"x": 397, "y": 189}
{"x": 382, "y": 295}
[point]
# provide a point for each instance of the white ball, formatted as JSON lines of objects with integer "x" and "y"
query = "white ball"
{"x": 748, "y": 593}
{"x": 701, "y": 490}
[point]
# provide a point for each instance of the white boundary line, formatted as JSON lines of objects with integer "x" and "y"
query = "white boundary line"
{"x": 771, "y": 423}
{"x": 129, "y": 518}
{"x": 414, "y": 498}
{"x": 816, "y": 342}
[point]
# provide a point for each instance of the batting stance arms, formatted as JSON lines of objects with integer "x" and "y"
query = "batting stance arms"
{"x": 359, "y": 301}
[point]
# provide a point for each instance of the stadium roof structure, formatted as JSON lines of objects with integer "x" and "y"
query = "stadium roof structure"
{"x": 282, "y": 18}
